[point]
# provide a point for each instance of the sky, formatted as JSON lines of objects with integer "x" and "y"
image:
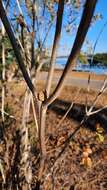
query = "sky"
{"x": 94, "y": 31}
{"x": 67, "y": 40}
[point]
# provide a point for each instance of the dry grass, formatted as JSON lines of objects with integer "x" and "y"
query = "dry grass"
{"x": 68, "y": 172}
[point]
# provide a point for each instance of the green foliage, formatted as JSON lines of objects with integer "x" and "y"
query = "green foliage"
{"x": 100, "y": 137}
{"x": 45, "y": 67}
{"x": 9, "y": 53}
{"x": 99, "y": 133}
{"x": 100, "y": 58}
{"x": 83, "y": 58}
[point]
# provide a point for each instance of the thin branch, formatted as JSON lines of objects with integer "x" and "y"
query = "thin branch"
{"x": 50, "y": 25}
{"x": 102, "y": 90}
{"x": 27, "y": 59}
{"x": 88, "y": 90}
{"x": 65, "y": 144}
{"x": 44, "y": 7}
{"x": 24, "y": 109}
{"x": 71, "y": 136}
{"x": 55, "y": 45}
{"x": 20, "y": 10}
{"x": 98, "y": 37}
{"x": 21, "y": 14}
{"x": 97, "y": 111}
{"x": 81, "y": 34}
{"x": 68, "y": 110}
{"x": 38, "y": 30}
{"x": 11, "y": 116}
{"x": 42, "y": 62}
{"x": 26, "y": 55}
{"x": 3, "y": 71}
{"x": 7, "y": 4}
{"x": 92, "y": 59}
{"x": 33, "y": 35}
{"x": 39, "y": 68}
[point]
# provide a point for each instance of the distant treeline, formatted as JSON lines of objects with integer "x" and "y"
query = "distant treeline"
{"x": 100, "y": 58}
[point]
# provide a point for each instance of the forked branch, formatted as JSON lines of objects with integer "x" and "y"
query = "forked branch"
{"x": 81, "y": 34}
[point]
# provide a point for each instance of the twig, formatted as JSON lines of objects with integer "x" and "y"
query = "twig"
{"x": 102, "y": 90}
{"x": 88, "y": 90}
{"x": 94, "y": 112}
{"x": 21, "y": 13}
{"x": 11, "y": 116}
{"x": 71, "y": 136}
{"x": 68, "y": 110}
{"x": 20, "y": 10}
{"x": 92, "y": 59}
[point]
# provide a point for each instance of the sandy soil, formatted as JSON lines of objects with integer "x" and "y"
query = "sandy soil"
{"x": 84, "y": 75}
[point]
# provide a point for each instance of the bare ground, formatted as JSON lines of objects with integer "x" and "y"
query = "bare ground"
{"x": 68, "y": 173}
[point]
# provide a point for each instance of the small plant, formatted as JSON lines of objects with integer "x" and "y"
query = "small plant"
{"x": 99, "y": 133}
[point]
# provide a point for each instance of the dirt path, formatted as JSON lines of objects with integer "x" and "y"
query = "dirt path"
{"x": 79, "y": 79}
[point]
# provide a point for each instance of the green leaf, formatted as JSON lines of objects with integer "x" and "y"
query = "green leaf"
{"x": 100, "y": 137}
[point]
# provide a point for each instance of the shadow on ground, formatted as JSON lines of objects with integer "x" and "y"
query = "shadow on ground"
{"x": 77, "y": 113}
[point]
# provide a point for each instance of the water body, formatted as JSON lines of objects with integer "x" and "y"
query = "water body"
{"x": 98, "y": 69}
